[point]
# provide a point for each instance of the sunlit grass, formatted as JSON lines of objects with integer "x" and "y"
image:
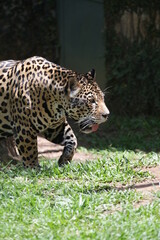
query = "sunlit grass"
{"x": 85, "y": 200}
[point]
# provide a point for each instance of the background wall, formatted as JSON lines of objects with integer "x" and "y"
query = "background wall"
{"x": 82, "y": 37}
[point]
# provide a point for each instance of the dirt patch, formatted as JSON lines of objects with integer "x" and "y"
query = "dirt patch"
{"x": 149, "y": 187}
{"x": 50, "y": 150}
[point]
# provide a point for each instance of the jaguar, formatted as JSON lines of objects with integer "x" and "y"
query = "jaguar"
{"x": 37, "y": 97}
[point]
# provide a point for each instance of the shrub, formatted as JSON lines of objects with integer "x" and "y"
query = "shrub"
{"x": 133, "y": 57}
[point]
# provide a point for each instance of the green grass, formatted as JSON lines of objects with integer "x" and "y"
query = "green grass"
{"x": 137, "y": 134}
{"x": 85, "y": 201}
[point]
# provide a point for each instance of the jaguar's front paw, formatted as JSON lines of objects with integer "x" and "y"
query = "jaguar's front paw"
{"x": 64, "y": 160}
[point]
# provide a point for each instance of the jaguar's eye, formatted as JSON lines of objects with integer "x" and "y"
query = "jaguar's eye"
{"x": 93, "y": 101}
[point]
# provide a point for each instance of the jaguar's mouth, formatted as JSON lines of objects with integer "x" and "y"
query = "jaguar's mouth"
{"x": 88, "y": 128}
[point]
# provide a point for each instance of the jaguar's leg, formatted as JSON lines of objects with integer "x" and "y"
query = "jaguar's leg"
{"x": 26, "y": 143}
{"x": 66, "y": 138}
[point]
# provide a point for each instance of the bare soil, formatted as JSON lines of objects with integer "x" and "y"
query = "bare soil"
{"x": 50, "y": 150}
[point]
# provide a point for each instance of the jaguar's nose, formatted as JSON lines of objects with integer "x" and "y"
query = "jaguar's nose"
{"x": 104, "y": 112}
{"x": 105, "y": 115}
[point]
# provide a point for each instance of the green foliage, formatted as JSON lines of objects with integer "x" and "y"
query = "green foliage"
{"x": 28, "y": 28}
{"x": 135, "y": 81}
{"x": 131, "y": 133}
{"x": 133, "y": 65}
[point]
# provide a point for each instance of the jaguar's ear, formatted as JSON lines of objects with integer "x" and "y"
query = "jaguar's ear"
{"x": 91, "y": 75}
{"x": 72, "y": 87}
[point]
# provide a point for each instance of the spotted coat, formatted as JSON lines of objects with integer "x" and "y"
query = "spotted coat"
{"x": 36, "y": 96}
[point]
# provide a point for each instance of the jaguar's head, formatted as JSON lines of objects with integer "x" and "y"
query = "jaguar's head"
{"x": 86, "y": 102}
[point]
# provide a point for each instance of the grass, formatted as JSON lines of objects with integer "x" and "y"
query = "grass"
{"x": 84, "y": 200}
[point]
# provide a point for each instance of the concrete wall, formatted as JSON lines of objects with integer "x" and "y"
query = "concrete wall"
{"x": 81, "y": 33}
